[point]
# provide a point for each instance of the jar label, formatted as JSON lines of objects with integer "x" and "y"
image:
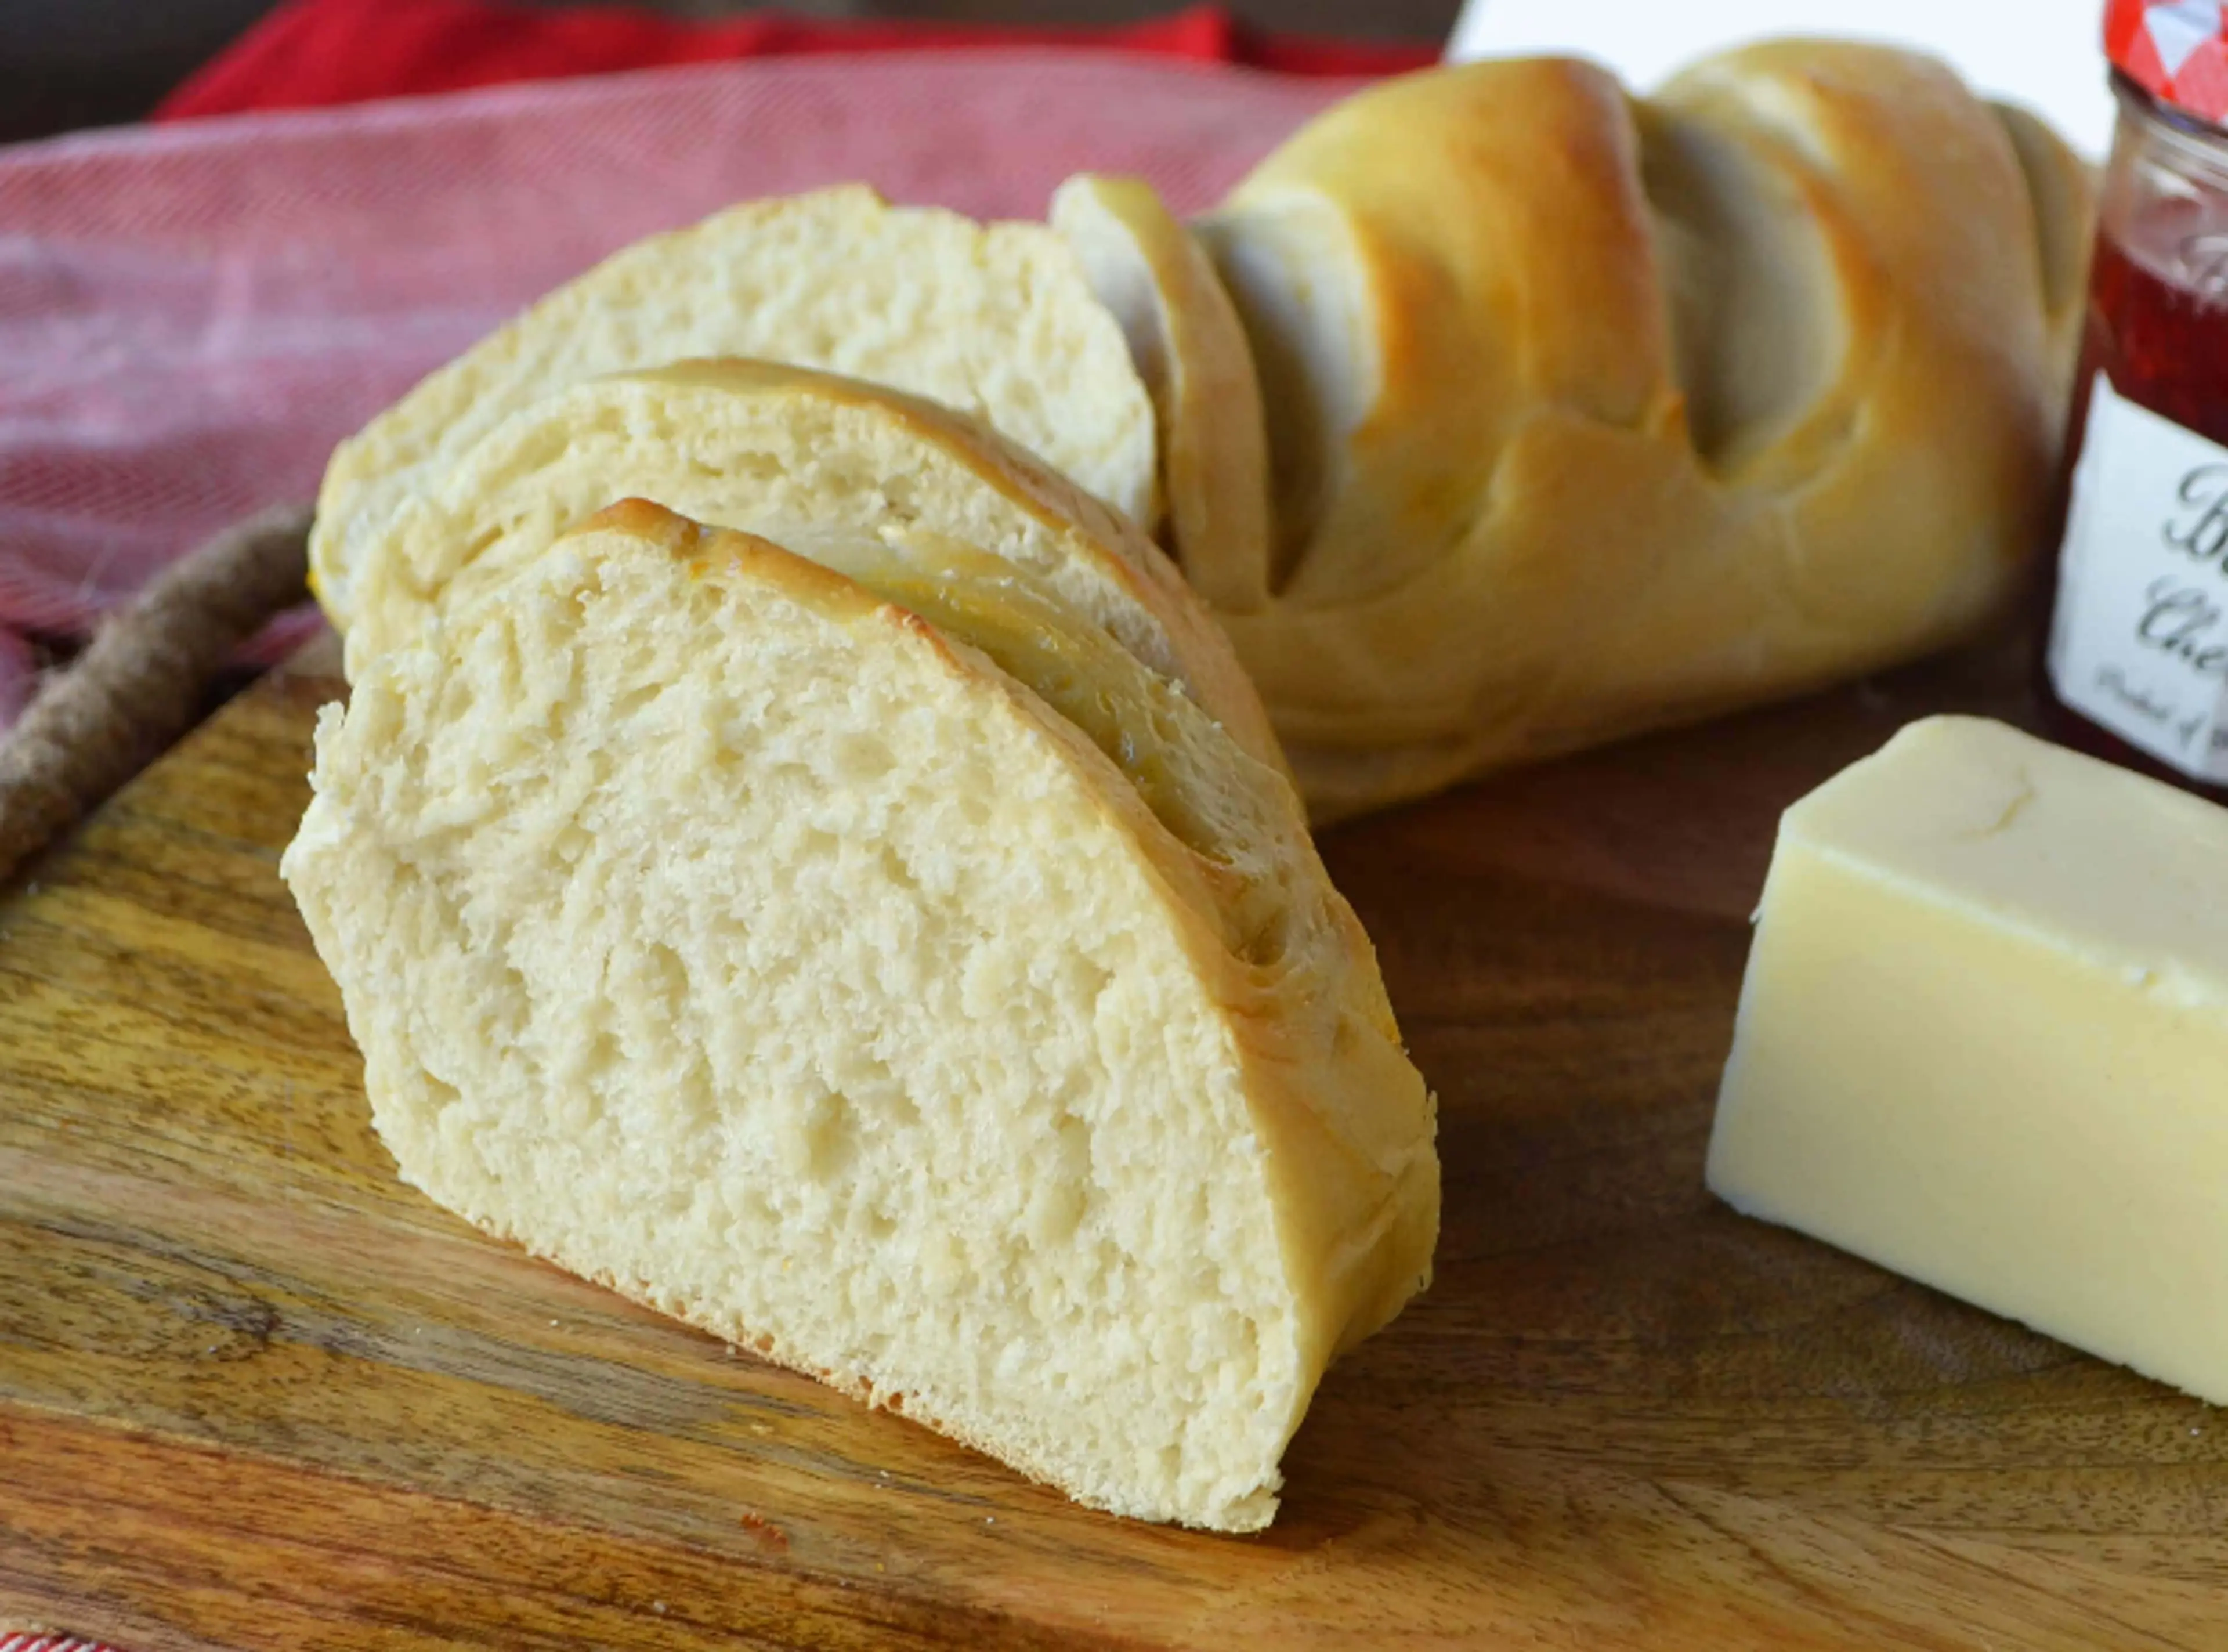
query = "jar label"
{"x": 2139, "y": 642}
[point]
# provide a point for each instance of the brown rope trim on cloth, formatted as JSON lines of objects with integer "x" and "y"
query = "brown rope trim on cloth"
{"x": 136, "y": 687}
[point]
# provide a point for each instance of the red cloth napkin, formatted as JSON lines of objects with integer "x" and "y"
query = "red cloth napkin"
{"x": 192, "y": 314}
{"x": 312, "y": 54}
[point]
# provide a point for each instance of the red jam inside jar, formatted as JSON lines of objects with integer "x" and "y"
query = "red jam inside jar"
{"x": 2137, "y": 659}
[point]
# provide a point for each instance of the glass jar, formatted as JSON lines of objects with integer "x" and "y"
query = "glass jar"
{"x": 2136, "y": 655}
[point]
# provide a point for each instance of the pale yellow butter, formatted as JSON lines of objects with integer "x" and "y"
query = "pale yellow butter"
{"x": 1983, "y": 1041}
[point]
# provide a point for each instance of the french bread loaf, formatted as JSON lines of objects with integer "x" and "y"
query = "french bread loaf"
{"x": 866, "y": 959}
{"x": 996, "y": 321}
{"x": 1589, "y": 415}
{"x": 739, "y": 443}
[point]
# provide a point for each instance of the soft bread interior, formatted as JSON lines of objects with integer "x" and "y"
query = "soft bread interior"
{"x": 1287, "y": 260}
{"x": 1758, "y": 321}
{"x": 996, "y": 321}
{"x": 1191, "y": 351}
{"x": 742, "y": 444}
{"x": 1239, "y": 820}
{"x": 722, "y": 929}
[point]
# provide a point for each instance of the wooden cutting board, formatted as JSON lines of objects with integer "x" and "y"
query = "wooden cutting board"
{"x": 254, "y": 1392}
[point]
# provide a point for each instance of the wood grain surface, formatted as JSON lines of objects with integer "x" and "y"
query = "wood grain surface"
{"x": 254, "y": 1392}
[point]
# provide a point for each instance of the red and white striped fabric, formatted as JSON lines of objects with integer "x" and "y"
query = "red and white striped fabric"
{"x": 191, "y": 315}
{"x": 48, "y": 1643}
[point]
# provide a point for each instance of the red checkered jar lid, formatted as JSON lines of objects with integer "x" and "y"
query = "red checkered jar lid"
{"x": 2176, "y": 50}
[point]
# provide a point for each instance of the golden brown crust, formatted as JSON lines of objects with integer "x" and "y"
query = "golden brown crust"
{"x": 713, "y": 553}
{"x": 1135, "y": 590}
{"x": 1190, "y": 348}
{"x": 685, "y": 286}
{"x": 1653, "y": 410}
{"x": 1112, "y": 543}
{"x": 2063, "y": 187}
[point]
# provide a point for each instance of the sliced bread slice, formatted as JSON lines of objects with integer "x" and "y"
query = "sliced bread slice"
{"x": 995, "y": 320}
{"x": 1191, "y": 349}
{"x": 740, "y": 443}
{"x": 881, "y": 970}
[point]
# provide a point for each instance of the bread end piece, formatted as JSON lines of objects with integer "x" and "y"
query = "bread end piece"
{"x": 1591, "y": 415}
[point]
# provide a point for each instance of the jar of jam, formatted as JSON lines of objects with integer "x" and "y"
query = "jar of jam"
{"x": 2137, "y": 650}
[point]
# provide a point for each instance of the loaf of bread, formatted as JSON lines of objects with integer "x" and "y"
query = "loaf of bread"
{"x": 996, "y": 321}
{"x": 747, "y": 444}
{"x": 863, "y": 956}
{"x": 1588, "y": 415}
{"x": 1496, "y": 414}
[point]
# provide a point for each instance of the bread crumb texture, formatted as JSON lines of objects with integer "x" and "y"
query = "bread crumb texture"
{"x": 869, "y": 961}
{"x": 992, "y": 320}
{"x": 745, "y": 443}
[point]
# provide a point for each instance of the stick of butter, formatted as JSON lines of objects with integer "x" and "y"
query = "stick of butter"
{"x": 1983, "y": 1041}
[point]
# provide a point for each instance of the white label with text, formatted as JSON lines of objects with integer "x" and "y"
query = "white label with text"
{"x": 2139, "y": 644}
